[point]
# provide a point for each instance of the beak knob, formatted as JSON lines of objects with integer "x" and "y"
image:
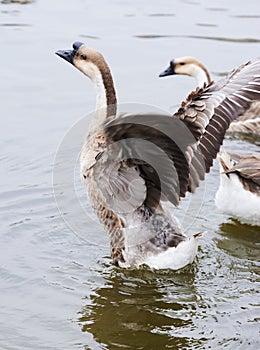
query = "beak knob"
{"x": 68, "y": 55}
{"x": 77, "y": 45}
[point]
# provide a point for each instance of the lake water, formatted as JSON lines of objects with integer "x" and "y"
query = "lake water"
{"x": 58, "y": 288}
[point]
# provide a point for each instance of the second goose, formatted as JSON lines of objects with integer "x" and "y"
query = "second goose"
{"x": 247, "y": 123}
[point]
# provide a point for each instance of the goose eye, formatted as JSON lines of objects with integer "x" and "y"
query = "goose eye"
{"x": 83, "y": 57}
{"x": 182, "y": 63}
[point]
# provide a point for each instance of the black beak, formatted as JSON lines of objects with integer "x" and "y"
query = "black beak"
{"x": 69, "y": 55}
{"x": 168, "y": 71}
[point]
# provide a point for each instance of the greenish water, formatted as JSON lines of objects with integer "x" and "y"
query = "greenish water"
{"x": 58, "y": 289}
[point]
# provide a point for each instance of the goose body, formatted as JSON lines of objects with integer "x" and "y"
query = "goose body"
{"x": 248, "y": 123}
{"x": 132, "y": 164}
{"x": 239, "y": 191}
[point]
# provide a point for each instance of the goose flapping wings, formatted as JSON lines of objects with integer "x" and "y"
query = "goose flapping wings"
{"x": 130, "y": 164}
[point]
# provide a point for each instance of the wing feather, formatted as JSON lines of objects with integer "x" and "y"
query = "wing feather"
{"x": 218, "y": 105}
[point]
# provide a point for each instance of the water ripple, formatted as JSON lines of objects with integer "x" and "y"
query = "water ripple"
{"x": 213, "y": 38}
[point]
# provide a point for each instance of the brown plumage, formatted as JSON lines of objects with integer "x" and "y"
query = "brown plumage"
{"x": 247, "y": 168}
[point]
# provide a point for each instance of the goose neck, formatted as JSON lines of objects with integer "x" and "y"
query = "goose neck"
{"x": 202, "y": 76}
{"x": 106, "y": 102}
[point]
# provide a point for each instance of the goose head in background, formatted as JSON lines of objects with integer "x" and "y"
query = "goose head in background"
{"x": 92, "y": 64}
{"x": 188, "y": 65}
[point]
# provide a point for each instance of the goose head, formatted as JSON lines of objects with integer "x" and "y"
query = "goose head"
{"x": 92, "y": 64}
{"x": 188, "y": 65}
{"x": 89, "y": 61}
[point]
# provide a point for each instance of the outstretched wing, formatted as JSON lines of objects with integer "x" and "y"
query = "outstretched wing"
{"x": 208, "y": 113}
{"x": 148, "y": 149}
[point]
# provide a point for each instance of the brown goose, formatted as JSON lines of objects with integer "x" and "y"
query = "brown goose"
{"x": 131, "y": 164}
{"x": 239, "y": 191}
{"x": 248, "y": 123}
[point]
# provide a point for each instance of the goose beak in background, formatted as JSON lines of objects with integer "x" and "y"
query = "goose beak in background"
{"x": 168, "y": 71}
{"x": 69, "y": 55}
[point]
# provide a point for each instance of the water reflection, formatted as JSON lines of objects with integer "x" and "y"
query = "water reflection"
{"x": 206, "y": 25}
{"x": 15, "y": 25}
{"x": 22, "y": 2}
{"x": 246, "y": 16}
{"x": 226, "y": 39}
{"x": 141, "y": 309}
{"x": 152, "y": 36}
{"x": 162, "y": 15}
{"x": 203, "y": 37}
{"x": 217, "y": 9}
{"x": 239, "y": 240}
{"x": 251, "y": 138}
{"x": 89, "y": 36}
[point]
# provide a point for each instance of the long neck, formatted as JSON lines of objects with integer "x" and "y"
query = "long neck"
{"x": 201, "y": 74}
{"x": 106, "y": 102}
